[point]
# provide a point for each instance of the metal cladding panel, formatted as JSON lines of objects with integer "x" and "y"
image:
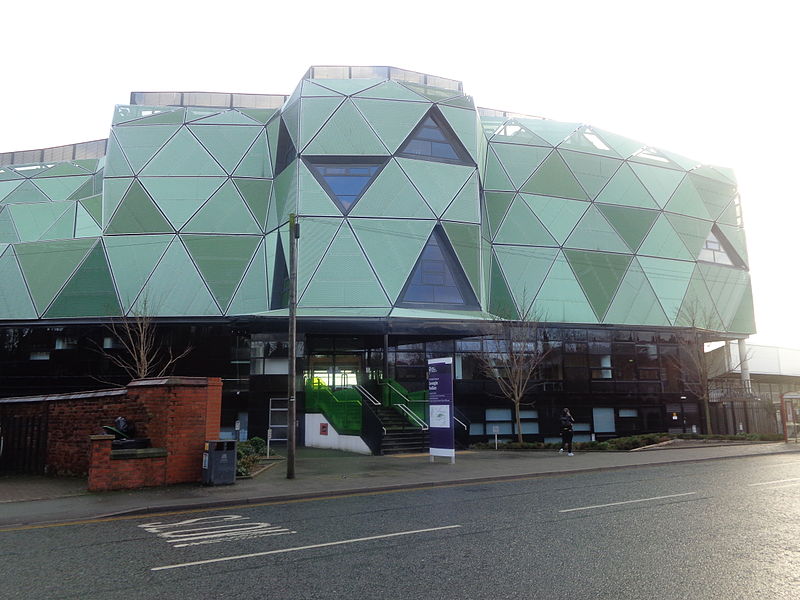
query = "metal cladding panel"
{"x": 191, "y": 207}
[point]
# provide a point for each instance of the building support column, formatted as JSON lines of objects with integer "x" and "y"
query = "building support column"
{"x": 744, "y": 366}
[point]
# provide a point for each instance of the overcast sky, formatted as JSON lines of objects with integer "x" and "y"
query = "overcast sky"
{"x": 715, "y": 81}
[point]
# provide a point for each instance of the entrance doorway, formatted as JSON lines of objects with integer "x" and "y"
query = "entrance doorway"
{"x": 336, "y": 371}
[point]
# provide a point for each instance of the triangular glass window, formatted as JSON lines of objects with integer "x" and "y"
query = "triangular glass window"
{"x": 279, "y": 298}
{"x": 286, "y": 152}
{"x": 437, "y": 280}
{"x": 716, "y": 249}
{"x": 345, "y": 179}
{"x": 434, "y": 139}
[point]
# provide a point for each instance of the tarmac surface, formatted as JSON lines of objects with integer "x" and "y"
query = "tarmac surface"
{"x": 30, "y": 500}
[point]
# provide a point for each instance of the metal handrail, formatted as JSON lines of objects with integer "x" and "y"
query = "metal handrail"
{"x": 366, "y": 394}
{"x": 414, "y": 418}
{"x": 460, "y": 422}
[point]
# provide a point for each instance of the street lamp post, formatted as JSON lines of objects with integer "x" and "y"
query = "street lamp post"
{"x": 294, "y": 234}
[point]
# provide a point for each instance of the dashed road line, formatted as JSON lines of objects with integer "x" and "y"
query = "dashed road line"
{"x": 567, "y": 510}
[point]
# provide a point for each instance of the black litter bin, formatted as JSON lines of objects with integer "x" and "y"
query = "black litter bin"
{"x": 219, "y": 462}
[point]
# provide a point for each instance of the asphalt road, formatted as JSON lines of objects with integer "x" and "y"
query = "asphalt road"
{"x": 717, "y": 529}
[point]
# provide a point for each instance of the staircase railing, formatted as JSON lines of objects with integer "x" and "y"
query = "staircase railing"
{"x": 342, "y": 408}
{"x": 395, "y": 394}
{"x": 412, "y": 417}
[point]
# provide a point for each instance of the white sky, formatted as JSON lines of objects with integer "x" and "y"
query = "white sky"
{"x": 712, "y": 80}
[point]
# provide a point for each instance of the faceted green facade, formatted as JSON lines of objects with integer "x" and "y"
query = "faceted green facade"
{"x": 411, "y": 203}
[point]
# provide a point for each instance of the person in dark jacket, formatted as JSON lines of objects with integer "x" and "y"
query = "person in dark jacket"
{"x": 566, "y": 432}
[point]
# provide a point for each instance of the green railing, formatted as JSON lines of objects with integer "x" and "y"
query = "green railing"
{"x": 394, "y": 393}
{"x": 342, "y": 408}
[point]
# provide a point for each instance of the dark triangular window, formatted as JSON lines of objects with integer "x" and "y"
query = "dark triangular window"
{"x": 719, "y": 250}
{"x": 285, "y": 152}
{"x": 437, "y": 280}
{"x": 434, "y": 139}
{"x": 345, "y": 179}
{"x": 280, "y": 280}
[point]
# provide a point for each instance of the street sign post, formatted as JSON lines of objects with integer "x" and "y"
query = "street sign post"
{"x": 440, "y": 405}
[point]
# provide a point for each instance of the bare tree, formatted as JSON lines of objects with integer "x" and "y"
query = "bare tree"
{"x": 515, "y": 365}
{"x": 142, "y": 352}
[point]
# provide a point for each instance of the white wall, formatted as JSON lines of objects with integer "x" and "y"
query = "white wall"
{"x": 334, "y": 441}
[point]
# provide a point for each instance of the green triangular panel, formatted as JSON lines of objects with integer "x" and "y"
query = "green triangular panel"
{"x": 716, "y": 195}
{"x": 632, "y": 224}
{"x": 15, "y": 303}
{"x": 513, "y": 132}
{"x": 586, "y": 140}
{"x": 252, "y": 294}
{"x": 464, "y": 123}
{"x": 623, "y": 146}
{"x": 561, "y": 299}
{"x": 501, "y": 302}
{"x": 592, "y": 171}
{"x": 525, "y": 269}
{"x": 132, "y": 259}
{"x": 625, "y": 188}
{"x": 314, "y": 200}
{"x": 179, "y": 198}
{"x": 64, "y": 227}
{"x": 635, "y": 303}
{"x": 311, "y": 89}
{"x": 227, "y": 144}
{"x": 8, "y": 233}
{"x": 660, "y": 182}
{"x": 698, "y": 308}
{"x": 32, "y": 220}
{"x": 392, "y": 195}
{"x": 391, "y": 90}
{"x": 552, "y": 131}
{"x": 62, "y": 169}
{"x": 6, "y": 187}
{"x": 61, "y": 188}
{"x": 26, "y": 193}
{"x": 520, "y": 161}
{"x": 116, "y": 163}
{"x": 222, "y": 260}
{"x": 693, "y": 232}
{"x": 346, "y": 133}
{"x": 344, "y": 277}
{"x": 262, "y": 115}
{"x": 681, "y": 161}
{"x": 86, "y": 190}
{"x": 730, "y": 215}
{"x": 392, "y": 246}
{"x": 132, "y": 119}
{"x": 316, "y": 234}
{"x": 114, "y": 191}
{"x": 175, "y": 288}
{"x": 744, "y": 320}
{"x": 315, "y": 113}
{"x": 497, "y": 204}
{"x": 140, "y": 144}
{"x": 465, "y": 240}
{"x": 392, "y": 121}
{"x": 437, "y": 182}
{"x": 256, "y": 162}
{"x": 89, "y": 292}
{"x": 182, "y": 155}
{"x": 687, "y": 201}
{"x": 593, "y": 232}
{"x": 522, "y": 227}
{"x": 466, "y": 205}
{"x": 273, "y": 133}
{"x": 434, "y": 94}
{"x": 460, "y": 102}
{"x": 669, "y": 280}
{"x": 347, "y": 87}
{"x": 256, "y": 193}
{"x": 560, "y": 216}
{"x": 137, "y": 214}
{"x": 496, "y": 177}
{"x": 553, "y": 178}
{"x": 663, "y": 240}
{"x": 599, "y": 274}
{"x": 290, "y": 117}
{"x": 736, "y": 237}
{"x": 225, "y": 212}
{"x": 47, "y": 265}
{"x": 85, "y": 225}
{"x": 726, "y": 286}
{"x": 228, "y": 117}
{"x": 284, "y": 193}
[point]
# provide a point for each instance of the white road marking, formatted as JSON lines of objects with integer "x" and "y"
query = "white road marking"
{"x": 776, "y": 481}
{"x": 780, "y": 487}
{"x": 298, "y": 548}
{"x": 200, "y": 531}
{"x": 566, "y": 510}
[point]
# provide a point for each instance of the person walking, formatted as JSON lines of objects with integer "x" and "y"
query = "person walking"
{"x": 566, "y": 432}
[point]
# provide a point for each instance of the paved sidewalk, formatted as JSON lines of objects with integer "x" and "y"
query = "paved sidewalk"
{"x": 32, "y": 500}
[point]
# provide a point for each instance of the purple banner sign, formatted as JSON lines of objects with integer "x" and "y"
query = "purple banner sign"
{"x": 440, "y": 405}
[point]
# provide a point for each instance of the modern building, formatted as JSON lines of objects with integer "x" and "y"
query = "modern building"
{"x": 422, "y": 220}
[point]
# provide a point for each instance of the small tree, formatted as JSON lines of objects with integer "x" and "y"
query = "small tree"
{"x": 520, "y": 353}
{"x": 142, "y": 354}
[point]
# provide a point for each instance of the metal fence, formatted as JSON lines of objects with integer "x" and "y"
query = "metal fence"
{"x": 92, "y": 149}
{"x": 740, "y": 416}
{"x": 23, "y": 444}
